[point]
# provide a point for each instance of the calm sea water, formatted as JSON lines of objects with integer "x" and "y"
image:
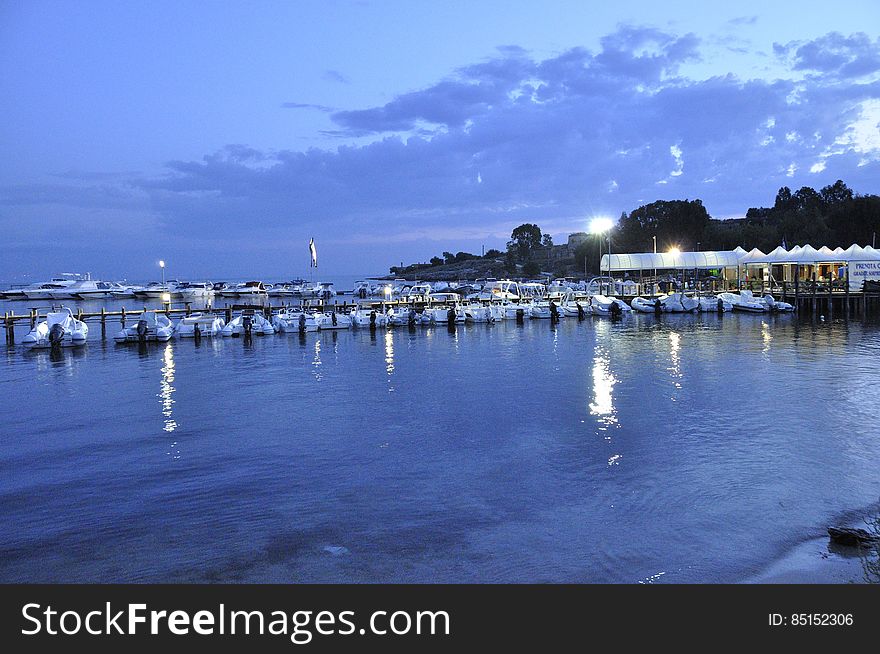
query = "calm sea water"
{"x": 682, "y": 449}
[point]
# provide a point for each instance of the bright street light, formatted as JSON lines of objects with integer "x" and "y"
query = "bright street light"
{"x": 161, "y": 264}
{"x": 674, "y": 251}
{"x": 600, "y": 225}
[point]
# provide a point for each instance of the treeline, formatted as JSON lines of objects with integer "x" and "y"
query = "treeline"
{"x": 832, "y": 216}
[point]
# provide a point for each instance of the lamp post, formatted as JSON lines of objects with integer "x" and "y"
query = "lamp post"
{"x": 602, "y": 226}
{"x": 166, "y": 296}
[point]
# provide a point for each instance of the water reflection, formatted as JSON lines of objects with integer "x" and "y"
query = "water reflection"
{"x": 766, "y": 337}
{"x": 389, "y": 358}
{"x": 166, "y": 392}
{"x": 602, "y": 405}
{"x": 675, "y": 360}
{"x": 316, "y": 361}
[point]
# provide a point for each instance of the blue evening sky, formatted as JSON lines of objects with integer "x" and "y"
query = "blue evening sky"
{"x": 221, "y": 136}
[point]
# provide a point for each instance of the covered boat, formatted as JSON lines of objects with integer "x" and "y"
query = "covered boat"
{"x": 151, "y": 326}
{"x": 59, "y": 329}
{"x": 205, "y": 324}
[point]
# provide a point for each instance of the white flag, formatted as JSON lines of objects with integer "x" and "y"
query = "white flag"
{"x": 314, "y": 253}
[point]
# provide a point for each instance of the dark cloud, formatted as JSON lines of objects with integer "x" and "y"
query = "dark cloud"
{"x": 301, "y": 105}
{"x": 335, "y": 76}
{"x": 855, "y": 55}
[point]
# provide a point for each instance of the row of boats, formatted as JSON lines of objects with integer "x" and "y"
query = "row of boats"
{"x": 72, "y": 288}
{"x": 63, "y": 329}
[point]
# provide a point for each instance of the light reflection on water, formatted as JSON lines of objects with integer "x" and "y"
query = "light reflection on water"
{"x": 505, "y": 453}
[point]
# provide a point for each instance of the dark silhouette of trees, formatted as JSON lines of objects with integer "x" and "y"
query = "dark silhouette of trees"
{"x": 525, "y": 241}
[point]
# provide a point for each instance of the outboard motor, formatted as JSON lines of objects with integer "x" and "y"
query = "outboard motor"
{"x": 56, "y": 335}
{"x": 362, "y": 293}
{"x": 615, "y": 311}
{"x": 411, "y": 318}
{"x": 333, "y": 318}
{"x": 247, "y": 323}
{"x": 142, "y": 330}
{"x": 373, "y": 319}
{"x": 658, "y": 307}
{"x": 450, "y": 316}
{"x": 554, "y": 312}
{"x": 520, "y": 315}
{"x": 302, "y": 323}
{"x": 581, "y": 314}
{"x": 197, "y": 333}
{"x": 720, "y": 305}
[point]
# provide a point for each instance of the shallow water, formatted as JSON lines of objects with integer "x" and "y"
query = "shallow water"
{"x": 680, "y": 449}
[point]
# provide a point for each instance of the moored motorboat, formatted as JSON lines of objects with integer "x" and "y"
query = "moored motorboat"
{"x": 198, "y": 323}
{"x": 293, "y": 320}
{"x": 150, "y": 326}
{"x": 59, "y": 329}
{"x": 248, "y": 322}
{"x": 744, "y": 301}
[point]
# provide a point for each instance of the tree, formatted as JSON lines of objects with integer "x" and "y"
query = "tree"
{"x": 465, "y": 256}
{"x": 448, "y": 257}
{"x": 547, "y": 241}
{"x": 531, "y": 269}
{"x": 836, "y": 194}
{"x": 492, "y": 254}
{"x": 524, "y": 241}
{"x": 680, "y": 223}
{"x": 436, "y": 261}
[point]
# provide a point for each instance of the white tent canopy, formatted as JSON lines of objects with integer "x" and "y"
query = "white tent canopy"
{"x": 810, "y": 255}
{"x": 671, "y": 261}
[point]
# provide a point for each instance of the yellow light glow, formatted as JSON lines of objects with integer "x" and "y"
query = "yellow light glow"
{"x": 166, "y": 297}
{"x": 674, "y": 251}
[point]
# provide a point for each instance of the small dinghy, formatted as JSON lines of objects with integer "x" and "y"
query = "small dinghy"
{"x": 745, "y": 302}
{"x": 644, "y": 305}
{"x": 59, "y": 329}
{"x": 775, "y": 305}
{"x": 713, "y": 305}
{"x": 151, "y": 326}
{"x": 203, "y": 324}
{"x": 678, "y": 303}
{"x": 248, "y": 322}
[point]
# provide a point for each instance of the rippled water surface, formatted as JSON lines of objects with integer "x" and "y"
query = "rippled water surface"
{"x": 686, "y": 448}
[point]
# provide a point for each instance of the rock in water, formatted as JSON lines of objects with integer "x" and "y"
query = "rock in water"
{"x": 851, "y": 537}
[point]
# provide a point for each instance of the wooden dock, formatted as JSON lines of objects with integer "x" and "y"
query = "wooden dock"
{"x": 11, "y": 320}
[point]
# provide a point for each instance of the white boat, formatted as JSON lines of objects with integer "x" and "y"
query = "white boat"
{"x": 498, "y": 290}
{"x": 488, "y": 313}
{"x": 322, "y": 290}
{"x": 645, "y": 305}
{"x": 248, "y": 321}
{"x": 678, "y": 303}
{"x": 367, "y": 318}
{"x": 251, "y": 290}
{"x": 294, "y": 320}
{"x": 45, "y": 291}
{"x": 333, "y": 321}
{"x": 94, "y": 290}
{"x": 713, "y": 305}
{"x": 59, "y": 329}
{"x": 155, "y": 290}
{"x": 745, "y": 302}
{"x": 775, "y": 305}
{"x": 150, "y": 326}
{"x": 192, "y": 291}
{"x": 545, "y": 309}
{"x": 440, "y": 304}
{"x": 206, "y": 324}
